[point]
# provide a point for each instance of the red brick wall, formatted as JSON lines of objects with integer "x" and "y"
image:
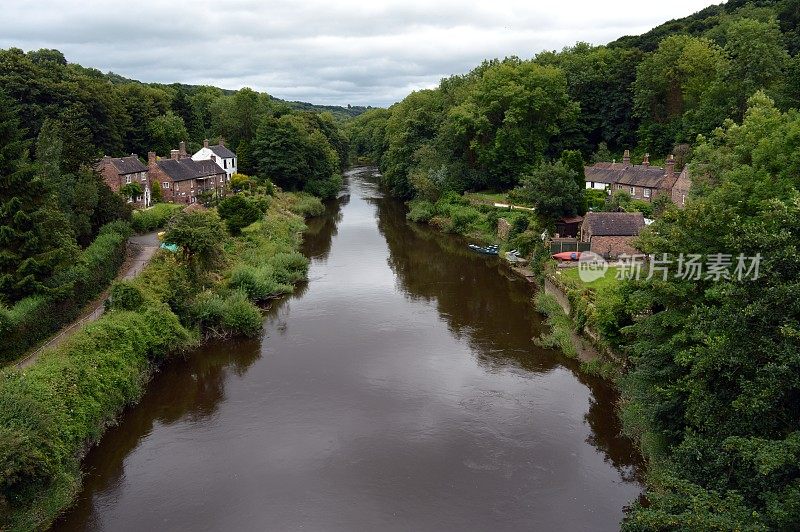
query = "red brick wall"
{"x": 110, "y": 175}
{"x": 157, "y": 175}
{"x": 681, "y": 189}
{"x": 613, "y": 246}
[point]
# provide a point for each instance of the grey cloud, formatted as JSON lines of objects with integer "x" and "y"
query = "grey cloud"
{"x": 368, "y": 53}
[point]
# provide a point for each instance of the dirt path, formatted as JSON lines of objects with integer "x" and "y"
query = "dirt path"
{"x": 141, "y": 249}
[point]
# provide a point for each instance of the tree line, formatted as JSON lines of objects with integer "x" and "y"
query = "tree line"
{"x": 494, "y": 126}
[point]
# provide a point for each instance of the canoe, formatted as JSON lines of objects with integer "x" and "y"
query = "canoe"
{"x": 567, "y": 255}
{"x": 486, "y": 250}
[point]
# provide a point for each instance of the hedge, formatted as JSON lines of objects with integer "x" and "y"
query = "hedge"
{"x": 34, "y": 318}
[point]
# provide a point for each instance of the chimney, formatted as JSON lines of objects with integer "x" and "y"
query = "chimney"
{"x": 205, "y": 143}
{"x": 626, "y": 158}
{"x": 182, "y": 150}
{"x": 173, "y": 154}
{"x": 222, "y": 142}
{"x": 671, "y": 166}
{"x": 151, "y": 158}
{"x": 646, "y": 160}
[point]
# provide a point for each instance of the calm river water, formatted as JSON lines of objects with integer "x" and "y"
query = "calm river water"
{"x": 400, "y": 389}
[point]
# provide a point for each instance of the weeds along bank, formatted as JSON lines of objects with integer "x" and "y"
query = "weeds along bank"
{"x": 53, "y": 411}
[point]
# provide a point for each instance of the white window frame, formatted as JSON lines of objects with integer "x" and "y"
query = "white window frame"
{"x": 633, "y": 191}
{"x": 128, "y": 179}
{"x": 165, "y": 185}
{"x": 646, "y": 193}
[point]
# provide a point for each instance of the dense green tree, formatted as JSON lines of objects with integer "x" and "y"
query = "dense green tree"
{"x": 239, "y": 211}
{"x": 679, "y": 91}
{"x": 552, "y": 189}
{"x": 367, "y": 135}
{"x": 713, "y": 386}
{"x": 182, "y": 107}
{"x": 35, "y": 237}
{"x": 199, "y": 234}
{"x": 600, "y": 79}
{"x": 758, "y": 59}
{"x": 296, "y": 156}
{"x": 166, "y": 132}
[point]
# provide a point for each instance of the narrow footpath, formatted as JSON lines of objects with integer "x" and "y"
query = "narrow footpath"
{"x": 141, "y": 249}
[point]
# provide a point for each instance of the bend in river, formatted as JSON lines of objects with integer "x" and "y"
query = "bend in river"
{"x": 399, "y": 389}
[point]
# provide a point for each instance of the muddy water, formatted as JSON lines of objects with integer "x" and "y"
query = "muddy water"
{"x": 398, "y": 390}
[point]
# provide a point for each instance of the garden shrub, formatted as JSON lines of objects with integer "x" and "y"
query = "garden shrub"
{"x": 155, "y": 217}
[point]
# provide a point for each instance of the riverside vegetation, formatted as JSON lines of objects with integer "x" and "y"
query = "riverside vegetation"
{"x": 51, "y": 412}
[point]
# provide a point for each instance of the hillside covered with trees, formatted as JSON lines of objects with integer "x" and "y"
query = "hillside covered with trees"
{"x": 652, "y": 94}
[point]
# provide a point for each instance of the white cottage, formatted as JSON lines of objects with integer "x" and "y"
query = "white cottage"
{"x": 218, "y": 153}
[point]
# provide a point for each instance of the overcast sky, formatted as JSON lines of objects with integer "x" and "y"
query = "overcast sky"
{"x": 366, "y": 52}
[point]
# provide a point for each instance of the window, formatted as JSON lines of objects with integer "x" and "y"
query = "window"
{"x": 647, "y": 193}
{"x": 619, "y": 187}
{"x": 683, "y": 199}
{"x": 633, "y": 191}
{"x": 127, "y": 179}
{"x": 225, "y": 163}
{"x": 165, "y": 185}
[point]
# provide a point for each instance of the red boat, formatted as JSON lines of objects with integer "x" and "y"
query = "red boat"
{"x": 567, "y": 255}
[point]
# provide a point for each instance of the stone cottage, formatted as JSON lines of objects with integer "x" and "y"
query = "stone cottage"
{"x": 642, "y": 182}
{"x": 611, "y": 234}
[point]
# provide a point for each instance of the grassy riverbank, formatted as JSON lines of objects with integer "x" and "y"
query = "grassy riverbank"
{"x": 51, "y": 413}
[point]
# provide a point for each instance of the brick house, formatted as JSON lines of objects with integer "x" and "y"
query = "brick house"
{"x": 183, "y": 179}
{"x": 218, "y": 153}
{"x": 611, "y": 234}
{"x": 642, "y": 182}
{"x": 120, "y": 171}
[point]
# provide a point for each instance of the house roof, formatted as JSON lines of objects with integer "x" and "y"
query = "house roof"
{"x": 125, "y": 165}
{"x": 187, "y": 168}
{"x": 614, "y": 223}
{"x": 642, "y": 176}
{"x": 630, "y": 174}
{"x": 603, "y": 172}
{"x": 222, "y": 151}
{"x": 571, "y": 219}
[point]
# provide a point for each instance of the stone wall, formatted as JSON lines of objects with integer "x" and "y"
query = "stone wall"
{"x": 613, "y": 246}
{"x": 503, "y": 229}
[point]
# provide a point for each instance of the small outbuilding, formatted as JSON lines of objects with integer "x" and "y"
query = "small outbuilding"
{"x": 611, "y": 234}
{"x": 569, "y": 226}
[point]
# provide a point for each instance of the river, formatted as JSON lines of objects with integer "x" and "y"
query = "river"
{"x": 399, "y": 389}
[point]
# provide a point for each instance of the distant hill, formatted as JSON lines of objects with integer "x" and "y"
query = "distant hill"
{"x": 338, "y": 111}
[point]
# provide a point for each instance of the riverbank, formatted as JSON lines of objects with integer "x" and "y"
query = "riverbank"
{"x": 568, "y": 305}
{"x": 53, "y": 411}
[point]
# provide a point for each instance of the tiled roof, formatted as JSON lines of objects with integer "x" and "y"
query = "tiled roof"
{"x": 631, "y": 175}
{"x": 187, "y": 168}
{"x": 642, "y": 176}
{"x": 222, "y": 151}
{"x": 603, "y": 172}
{"x": 126, "y": 165}
{"x": 614, "y": 223}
